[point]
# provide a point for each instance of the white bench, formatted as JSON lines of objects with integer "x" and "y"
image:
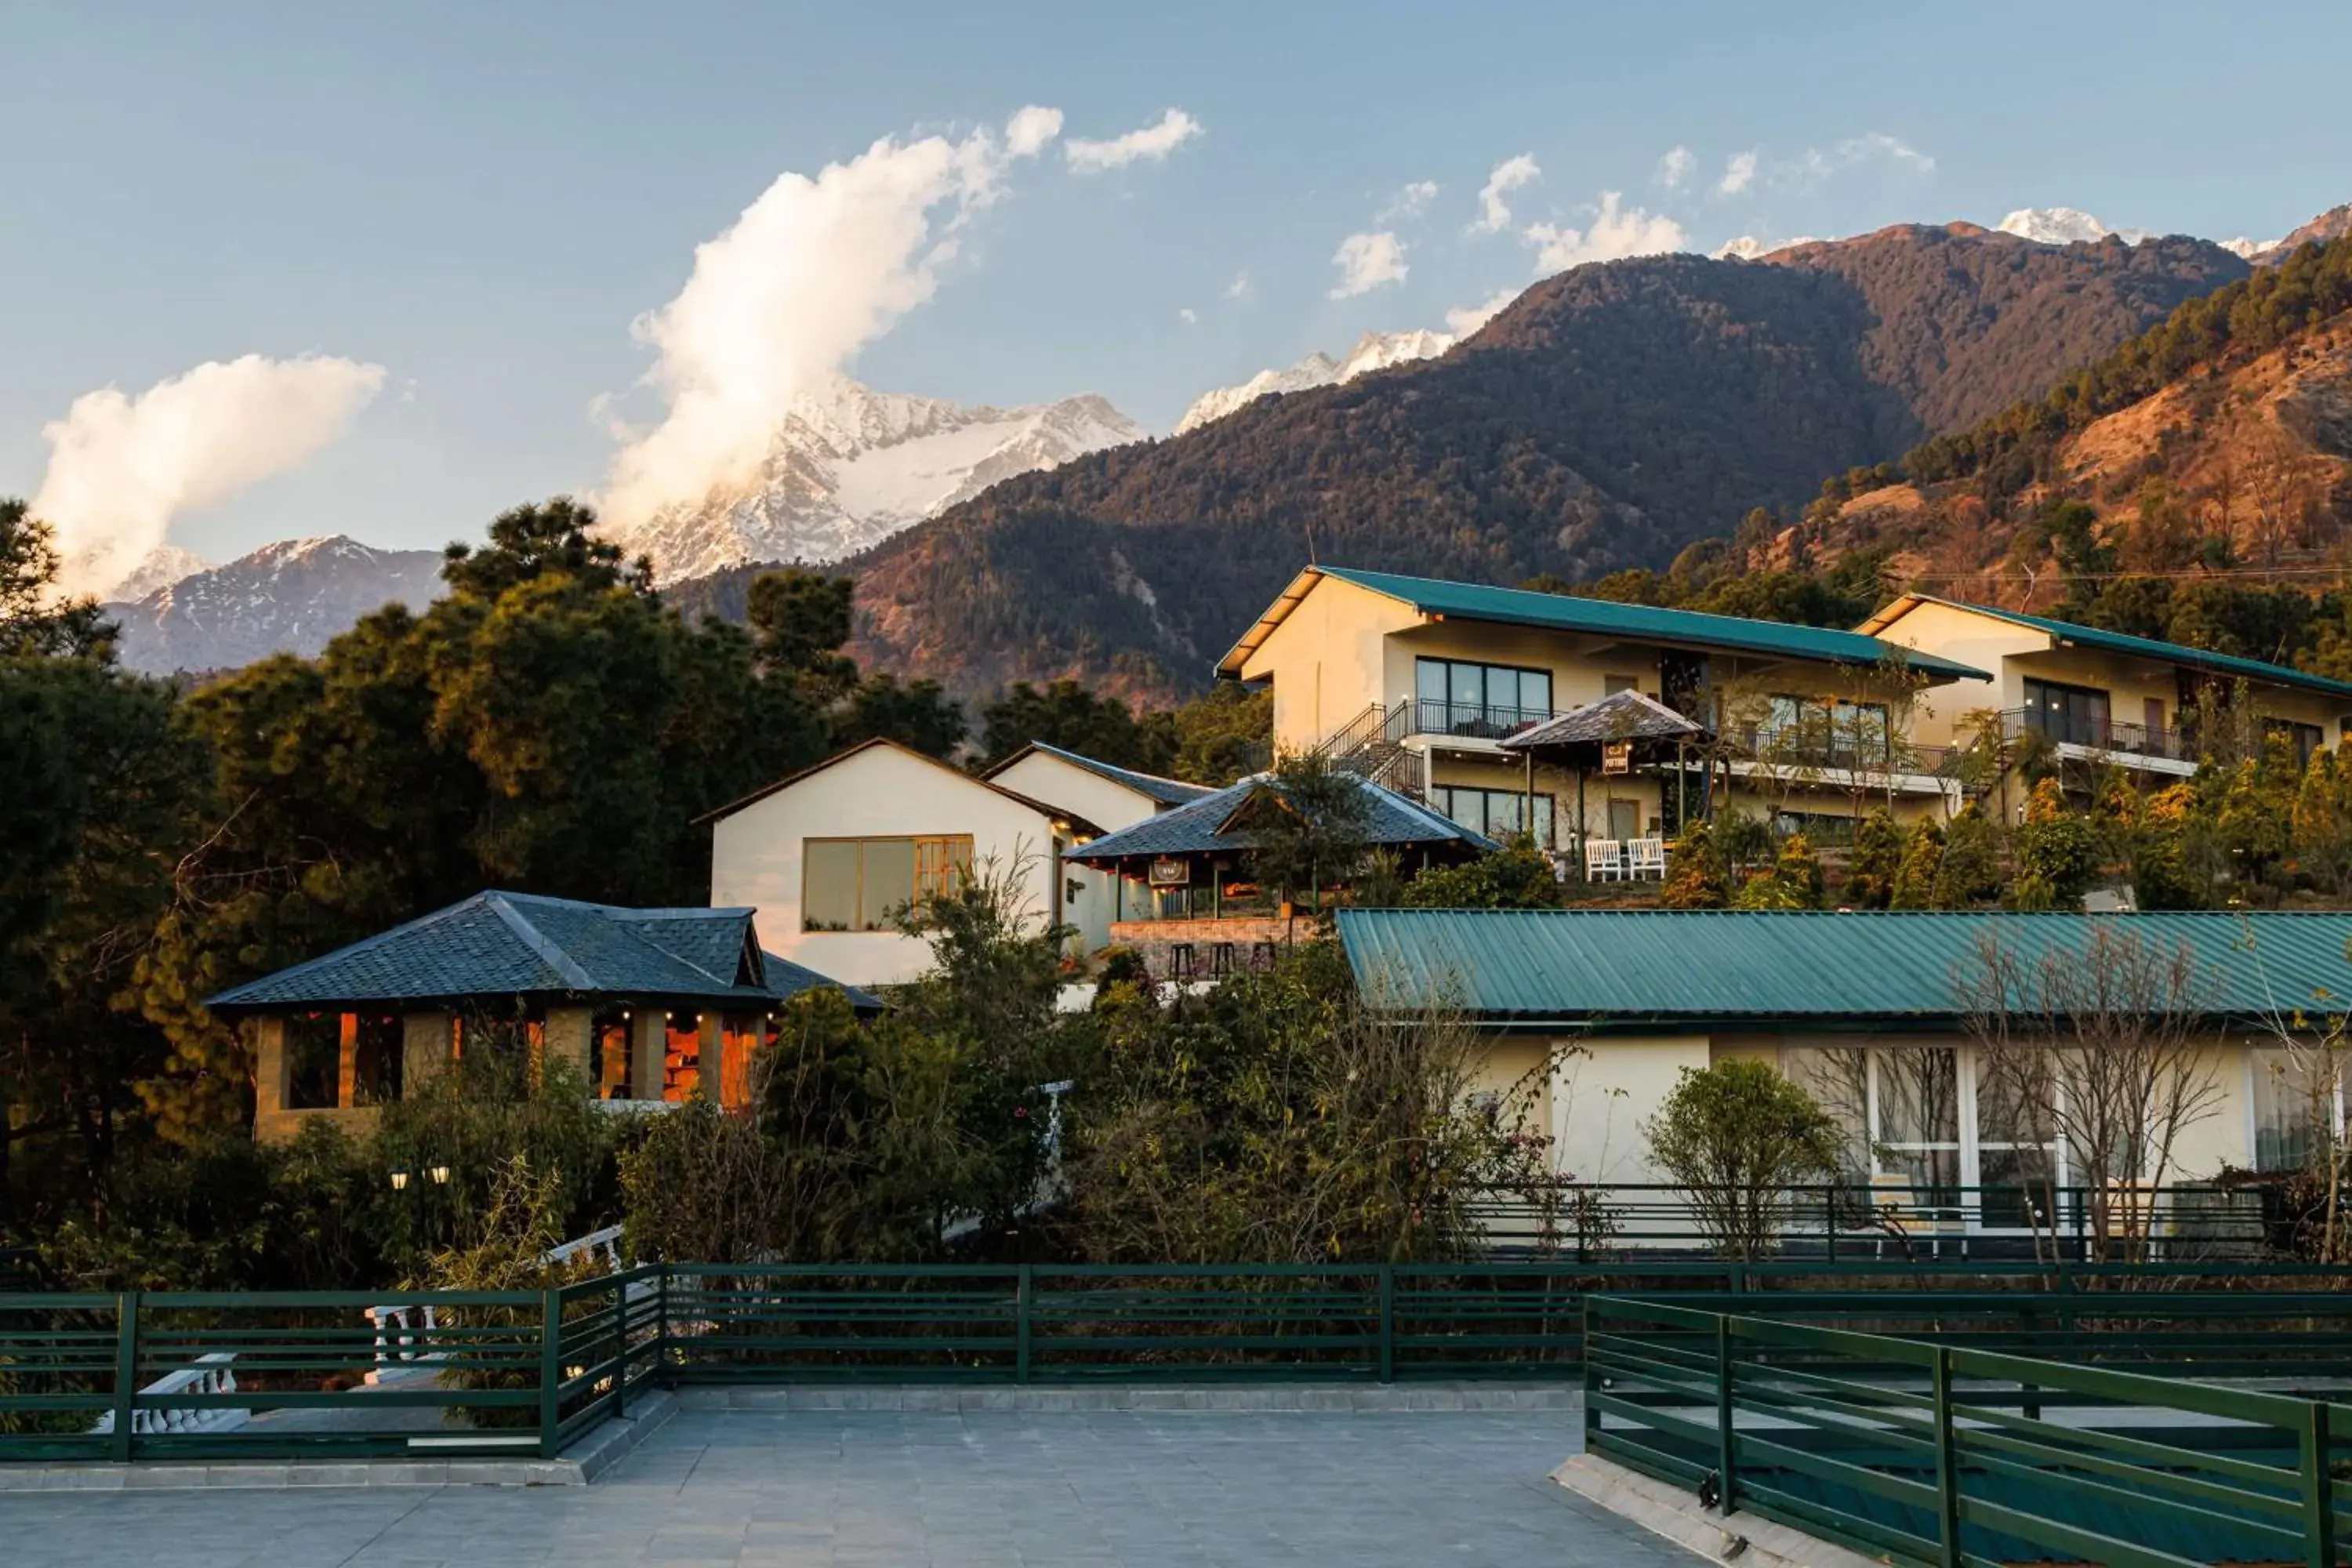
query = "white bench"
{"x": 1604, "y": 860}
{"x": 1647, "y": 858}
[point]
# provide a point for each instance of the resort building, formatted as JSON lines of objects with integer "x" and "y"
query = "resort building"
{"x": 2129, "y": 701}
{"x": 1112, "y": 798}
{"x": 828, "y": 857}
{"x": 1872, "y": 1014}
{"x": 644, "y": 1004}
{"x": 1420, "y": 684}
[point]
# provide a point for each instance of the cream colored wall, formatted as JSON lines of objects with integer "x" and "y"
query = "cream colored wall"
{"x": 2019, "y": 653}
{"x": 1517, "y": 1070}
{"x": 1080, "y": 791}
{"x": 1602, "y": 1093}
{"x": 1325, "y": 661}
{"x": 756, "y": 854}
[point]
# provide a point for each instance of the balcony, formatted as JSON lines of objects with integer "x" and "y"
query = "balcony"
{"x": 1467, "y": 720}
{"x": 2129, "y": 744}
{"x": 1818, "y": 752}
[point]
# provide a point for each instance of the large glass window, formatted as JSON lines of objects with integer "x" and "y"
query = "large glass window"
{"x": 379, "y": 1050}
{"x": 1941, "y": 1128}
{"x": 314, "y": 1061}
{"x": 1498, "y": 814}
{"x": 2076, "y": 715}
{"x": 681, "y": 1056}
{"x": 2298, "y": 1103}
{"x": 858, "y": 884}
{"x": 1838, "y": 733}
{"x": 1461, "y": 698}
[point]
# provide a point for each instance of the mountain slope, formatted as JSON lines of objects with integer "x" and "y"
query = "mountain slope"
{"x": 283, "y": 598}
{"x": 850, "y": 466}
{"x": 1607, "y": 417}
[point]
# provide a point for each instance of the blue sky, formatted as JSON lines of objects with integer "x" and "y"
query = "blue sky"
{"x": 482, "y": 199}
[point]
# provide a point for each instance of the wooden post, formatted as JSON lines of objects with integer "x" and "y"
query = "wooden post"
{"x": 1388, "y": 1323}
{"x": 1948, "y": 1465}
{"x": 551, "y": 1373}
{"x": 126, "y": 1373}
{"x": 1583, "y": 830}
{"x": 2319, "y": 1490}
{"x": 1020, "y": 1330}
{"x": 1726, "y": 1443}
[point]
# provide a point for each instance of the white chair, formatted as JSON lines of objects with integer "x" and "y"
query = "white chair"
{"x": 1648, "y": 859}
{"x": 1604, "y": 860}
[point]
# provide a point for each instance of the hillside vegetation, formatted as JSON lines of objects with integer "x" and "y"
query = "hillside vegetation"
{"x": 1608, "y": 419}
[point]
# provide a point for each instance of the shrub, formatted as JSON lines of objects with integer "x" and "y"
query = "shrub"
{"x": 1877, "y": 862}
{"x": 1698, "y": 878}
{"x": 1736, "y": 1137}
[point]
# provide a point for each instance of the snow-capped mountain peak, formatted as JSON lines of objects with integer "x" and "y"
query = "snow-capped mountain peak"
{"x": 2064, "y": 226}
{"x": 288, "y": 597}
{"x": 1374, "y": 350}
{"x": 164, "y": 566}
{"x": 1751, "y": 247}
{"x": 850, "y": 466}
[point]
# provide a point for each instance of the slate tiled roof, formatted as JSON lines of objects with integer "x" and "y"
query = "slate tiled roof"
{"x": 1620, "y": 716}
{"x": 1167, "y": 792}
{"x": 1208, "y": 824}
{"x": 1603, "y": 617}
{"x": 2125, "y": 643}
{"x": 1644, "y": 969}
{"x": 519, "y": 944}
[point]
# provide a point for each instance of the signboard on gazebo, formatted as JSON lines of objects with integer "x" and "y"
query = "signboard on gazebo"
{"x": 1170, "y": 871}
{"x": 1617, "y": 757}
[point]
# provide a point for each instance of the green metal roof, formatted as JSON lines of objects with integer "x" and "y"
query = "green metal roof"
{"x": 1643, "y": 968}
{"x": 1605, "y": 618}
{"x": 520, "y": 944}
{"x": 2144, "y": 647}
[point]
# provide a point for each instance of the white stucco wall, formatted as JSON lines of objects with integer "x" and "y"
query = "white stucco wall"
{"x": 757, "y": 853}
{"x": 1604, "y": 1090}
{"x": 1089, "y": 897}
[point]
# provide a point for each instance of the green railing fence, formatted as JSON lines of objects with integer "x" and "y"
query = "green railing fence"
{"x": 1942, "y": 1453}
{"x": 522, "y": 1373}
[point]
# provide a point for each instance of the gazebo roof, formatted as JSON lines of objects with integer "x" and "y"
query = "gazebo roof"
{"x": 1213, "y": 825}
{"x": 1620, "y": 716}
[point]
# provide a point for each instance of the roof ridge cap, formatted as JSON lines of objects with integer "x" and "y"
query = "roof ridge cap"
{"x": 554, "y": 957}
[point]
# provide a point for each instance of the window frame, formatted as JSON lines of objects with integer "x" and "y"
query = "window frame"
{"x": 1462, "y": 715}
{"x": 1443, "y": 798}
{"x": 941, "y": 862}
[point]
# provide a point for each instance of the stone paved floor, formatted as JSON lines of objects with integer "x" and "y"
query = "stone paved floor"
{"x": 802, "y": 1490}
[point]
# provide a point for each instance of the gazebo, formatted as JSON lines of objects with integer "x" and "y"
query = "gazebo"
{"x": 1622, "y": 732}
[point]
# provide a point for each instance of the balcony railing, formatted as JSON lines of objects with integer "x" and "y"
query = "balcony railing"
{"x": 1471, "y": 720}
{"x": 2122, "y": 741}
{"x": 1838, "y": 756}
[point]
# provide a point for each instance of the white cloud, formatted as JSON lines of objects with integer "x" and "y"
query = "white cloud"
{"x": 779, "y": 303}
{"x": 1616, "y": 232}
{"x": 1675, "y": 169}
{"x": 1464, "y": 320}
{"x": 1366, "y": 262}
{"x": 1739, "y": 173}
{"x": 1028, "y": 131}
{"x": 1494, "y": 213}
{"x": 122, "y": 468}
{"x": 1239, "y": 289}
{"x": 1878, "y": 144}
{"x": 1187, "y": 315}
{"x": 1174, "y": 128}
{"x": 1410, "y": 202}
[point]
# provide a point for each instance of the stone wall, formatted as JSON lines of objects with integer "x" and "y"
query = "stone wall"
{"x": 1254, "y": 941}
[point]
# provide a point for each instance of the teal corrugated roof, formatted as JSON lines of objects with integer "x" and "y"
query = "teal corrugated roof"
{"x": 1199, "y": 828}
{"x": 520, "y": 944}
{"x": 1641, "y": 622}
{"x": 1647, "y": 967}
{"x": 2149, "y": 647}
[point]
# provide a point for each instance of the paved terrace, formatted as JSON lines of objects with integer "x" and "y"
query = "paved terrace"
{"x": 800, "y": 1489}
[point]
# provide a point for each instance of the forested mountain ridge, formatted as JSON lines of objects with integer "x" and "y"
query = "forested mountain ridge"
{"x": 1608, "y": 417}
{"x": 2207, "y": 458}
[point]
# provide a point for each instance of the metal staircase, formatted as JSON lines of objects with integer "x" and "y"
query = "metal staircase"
{"x": 1371, "y": 746}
